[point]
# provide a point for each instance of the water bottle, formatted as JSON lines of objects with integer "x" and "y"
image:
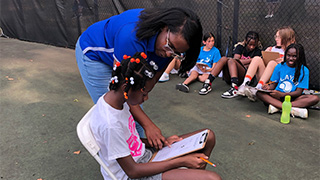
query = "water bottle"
{"x": 286, "y": 108}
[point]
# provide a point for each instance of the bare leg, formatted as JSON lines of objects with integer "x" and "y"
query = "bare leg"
{"x": 210, "y": 142}
{"x": 219, "y": 66}
{"x": 236, "y": 70}
{"x": 190, "y": 174}
{"x": 256, "y": 67}
{"x": 265, "y": 97}
{"x": 175, "y": 63}
{"x": 268, "y": 71}
{"x": 305, "y": 101}
{"x": 193, "y": 76}
{"x": 203, "y": 77}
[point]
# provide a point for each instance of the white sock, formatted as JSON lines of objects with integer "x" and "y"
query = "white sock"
{"x": 259, "y": 86}
{"x": 246, "y": 79}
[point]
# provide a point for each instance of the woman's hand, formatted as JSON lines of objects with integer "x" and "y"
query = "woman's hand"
{"x": 155, "y": 137}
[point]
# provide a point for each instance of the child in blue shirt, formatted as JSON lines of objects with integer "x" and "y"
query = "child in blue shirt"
{"x": 234, "y": 69}
{"x": 289, "y": 78}
{"x": 207, "y": 59}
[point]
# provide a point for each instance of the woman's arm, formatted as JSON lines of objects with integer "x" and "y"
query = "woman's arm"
{"x": 153, "y": 133}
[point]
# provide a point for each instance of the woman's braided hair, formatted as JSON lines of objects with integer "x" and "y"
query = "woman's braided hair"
{"x": 134, "y": 71}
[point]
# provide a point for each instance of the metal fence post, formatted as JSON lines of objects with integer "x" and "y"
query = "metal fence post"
{"x": 235, "y": 21}
{"x": 219, "y": 24}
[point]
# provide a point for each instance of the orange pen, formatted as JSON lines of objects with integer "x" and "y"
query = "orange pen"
{"x": 208, "y": 162}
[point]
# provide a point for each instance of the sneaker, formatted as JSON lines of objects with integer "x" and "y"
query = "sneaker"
{"x": 241, "y": 90}
{"x": 183, "y": 75}
{"x": 231, "y": 93}
{"x": 299, "y": 112}
{"x": 206, "y": 88}
{"x": 174, "y": 71}
{"x": 164, "y": 77}
{"x": 251, "y": 92}
{"x": 182, "y": 87}
{"x": 306, "y": 91}
{"x": 272, "y": 109}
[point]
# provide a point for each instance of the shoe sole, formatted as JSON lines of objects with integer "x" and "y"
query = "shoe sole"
{"x": 182, "y": 88}
{"x": 270, "y": 111}
{"x": 204, "y": 93}
{"x": 228, "y": 97}
{"x": 303, "y": 116}
{"x": 248, "y": 93}
{"x": 163, "y": 80}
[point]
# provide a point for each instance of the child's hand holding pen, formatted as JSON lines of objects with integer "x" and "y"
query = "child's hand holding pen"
{"x": 269, "y": 86}
{"x": 207, "y": 161}
{"x": 195, "y": 160}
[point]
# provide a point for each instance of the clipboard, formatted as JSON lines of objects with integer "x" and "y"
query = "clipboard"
{"x": 183, "y": 147}
{"x": 264, "y": 90}
{"x": 267, "y": 56}
{"x": 203, "y": 64}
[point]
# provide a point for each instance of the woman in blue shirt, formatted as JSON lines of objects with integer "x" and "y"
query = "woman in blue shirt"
{"x": 160, "y": 33}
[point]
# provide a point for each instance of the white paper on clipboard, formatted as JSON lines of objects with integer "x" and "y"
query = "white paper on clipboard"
{"x": 185, "y": 146}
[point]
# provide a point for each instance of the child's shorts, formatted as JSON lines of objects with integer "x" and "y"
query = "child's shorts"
{"x": 195, "y": 68}
{"x": 144, "y": 159}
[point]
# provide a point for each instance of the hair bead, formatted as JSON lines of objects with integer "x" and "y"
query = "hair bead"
{"x": 154, "y": 65}
{"x": 114, "y": 79}
{"x": 144, "y": 55}
{"x": 148, "y": 73}
{"x": 131, "y": 80}
{"x": 116, "y": 65}
{"x": 125, "y": 94}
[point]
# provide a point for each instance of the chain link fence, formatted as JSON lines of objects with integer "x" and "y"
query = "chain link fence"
{"x": 61, "y": 22}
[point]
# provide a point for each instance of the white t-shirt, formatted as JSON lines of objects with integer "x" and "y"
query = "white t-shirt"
{"x": 116, "y": 134}
{"x": 275, "y": 49}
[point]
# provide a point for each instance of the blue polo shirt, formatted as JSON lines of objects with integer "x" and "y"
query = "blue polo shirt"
{"x": 114, "y": 37}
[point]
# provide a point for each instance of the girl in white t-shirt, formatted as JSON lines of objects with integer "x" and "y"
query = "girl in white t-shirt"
{"x": 125, "y": 153}
{"x": 283, "y": 37}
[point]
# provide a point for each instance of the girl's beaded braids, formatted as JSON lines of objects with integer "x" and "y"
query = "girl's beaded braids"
{"x": 134, "y": 71}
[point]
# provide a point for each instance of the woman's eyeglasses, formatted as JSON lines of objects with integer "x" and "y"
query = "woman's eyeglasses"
{"x": 276, "y": 37}
{"x": 168, "y": 48}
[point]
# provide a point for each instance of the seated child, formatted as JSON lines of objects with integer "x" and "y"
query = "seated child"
{"x": 283, "y": 37}
{"x": 173, "y": 68}
{"x": 126, "y": 154}
{"x": 234, "y": 69}
{"x": 290, "y": 78}
{"x": 208, "y": 57}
